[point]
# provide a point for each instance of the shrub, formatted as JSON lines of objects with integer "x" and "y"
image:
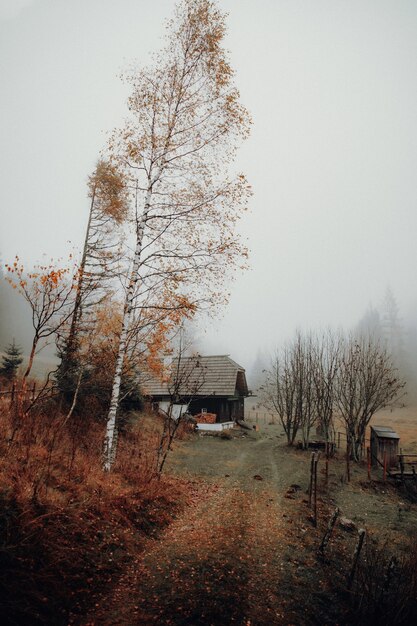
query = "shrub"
{"x": 66, "y": 527}
{"x": 385, "y": 592}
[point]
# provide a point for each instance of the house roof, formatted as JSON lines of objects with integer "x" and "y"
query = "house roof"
{"x": 200, "y": 376}
{"x": 385, "y": 432}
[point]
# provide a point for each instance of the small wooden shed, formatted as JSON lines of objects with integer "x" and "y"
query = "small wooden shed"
{"x": 384, "y": 442}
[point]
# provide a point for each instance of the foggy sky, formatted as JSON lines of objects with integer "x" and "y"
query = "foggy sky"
{"x": 331, "y": 85}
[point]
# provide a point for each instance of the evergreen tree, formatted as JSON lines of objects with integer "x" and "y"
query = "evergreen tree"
{"x": 11, "y": 360}
{"x": 394, "y": 334}
{"x": 370, "y": 324}
{"x": 258, "y": 369}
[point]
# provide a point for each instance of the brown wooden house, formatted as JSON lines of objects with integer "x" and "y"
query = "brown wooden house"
{"x": 207, "y": 384}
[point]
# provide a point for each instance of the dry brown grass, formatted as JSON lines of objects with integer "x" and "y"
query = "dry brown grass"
{"x": 402, "y": 419}
{"x": 68, "y": 529}
{"x": 385, "y": 590}
{"x": 404, "y": 422}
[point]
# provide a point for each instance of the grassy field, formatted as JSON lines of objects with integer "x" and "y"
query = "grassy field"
{"x": 402, "y": 419}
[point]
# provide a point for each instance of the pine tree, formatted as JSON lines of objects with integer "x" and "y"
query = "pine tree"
{"x": 11, "y": 360}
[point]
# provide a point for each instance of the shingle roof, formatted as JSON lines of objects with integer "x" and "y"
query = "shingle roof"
{"x": 201, "y": 376}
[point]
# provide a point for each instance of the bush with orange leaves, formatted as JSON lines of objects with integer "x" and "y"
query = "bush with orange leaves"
{"x": 68, "y": 528}
{"x": 49, "y": 292}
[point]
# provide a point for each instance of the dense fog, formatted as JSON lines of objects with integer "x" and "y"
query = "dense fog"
{"x": 332, "y": 157}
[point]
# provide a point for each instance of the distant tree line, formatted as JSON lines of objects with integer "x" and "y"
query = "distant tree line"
{"x": 385, "y": 324}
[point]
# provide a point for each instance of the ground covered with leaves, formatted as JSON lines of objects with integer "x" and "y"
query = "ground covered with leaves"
{"x": 245, "y": 550}
{"x": 67, "y": 529}
{"x": 226, "y": 536}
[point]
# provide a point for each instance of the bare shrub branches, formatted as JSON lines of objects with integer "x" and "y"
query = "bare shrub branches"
{"x": 367, "y": 381}
{"x": 314, "y": 376}
{"x": 300, "y": 385}
{"x": 49, "y": 290}
{"x": 186, "y": 378}
{"x": 386, "y": 585}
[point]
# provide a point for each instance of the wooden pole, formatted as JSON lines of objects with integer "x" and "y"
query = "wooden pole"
{"x": 348, "y": 460}
{"x": 338, "y": 440}
{"x": 368, "y": 458}
{"x": 401, "y": 464}
{"x": 315, "y": 491}
{"x": 385, "y": 465}
{"x": 327, "y": 462}
{"x": 327, "y": 471}
{"x": 356, "y": 554}
{"x": 310, "y": 485}
{"x": 328, "y": 533}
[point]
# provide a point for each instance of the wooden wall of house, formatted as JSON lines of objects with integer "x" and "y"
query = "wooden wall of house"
{"x": 211, "y": 405}
{"x": 226, "y": 410}
{"x": 381, "y": 446}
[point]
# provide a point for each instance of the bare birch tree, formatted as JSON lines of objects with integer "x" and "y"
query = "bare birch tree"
{"x": 185, "y": 122}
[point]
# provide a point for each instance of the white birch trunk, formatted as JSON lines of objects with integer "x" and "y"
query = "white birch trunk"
{"x": 110, "y": 440}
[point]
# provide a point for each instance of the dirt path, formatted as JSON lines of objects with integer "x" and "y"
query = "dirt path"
{"x": 232, "y": 557}
{"x": 245, "y": 551}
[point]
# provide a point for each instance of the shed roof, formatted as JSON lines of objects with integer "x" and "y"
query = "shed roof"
{"x": 200, "y": 375}
{"x": 385, "y": 432}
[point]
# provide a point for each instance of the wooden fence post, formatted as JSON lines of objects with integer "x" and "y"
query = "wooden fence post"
{"x": 356, "y": 554}
{"x": 327, "y": 462}
{"x": 348, "y": 460}
{"x": 316, "y": 460}
{"x": 328, "y": 533}
{"x": 310, "y": 486}
{"x": 368, "y": 459}
{"x": 338, "y": 440}
{"x": 385, "y": 465}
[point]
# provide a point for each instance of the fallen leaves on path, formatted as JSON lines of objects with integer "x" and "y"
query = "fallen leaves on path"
{"x": 223, "y": 562}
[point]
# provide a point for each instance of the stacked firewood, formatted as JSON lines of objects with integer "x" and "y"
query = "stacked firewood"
{"x": 206, "y": 418}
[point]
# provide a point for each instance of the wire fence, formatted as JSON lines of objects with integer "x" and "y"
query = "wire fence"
{"x": 258, "y": 416}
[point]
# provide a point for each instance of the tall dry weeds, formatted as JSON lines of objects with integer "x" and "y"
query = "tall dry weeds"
{"x": 385, "y": 592}
{"x": 67, "y": 530}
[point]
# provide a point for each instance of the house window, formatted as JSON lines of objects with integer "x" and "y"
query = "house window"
{"x": 204, "y": 410}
